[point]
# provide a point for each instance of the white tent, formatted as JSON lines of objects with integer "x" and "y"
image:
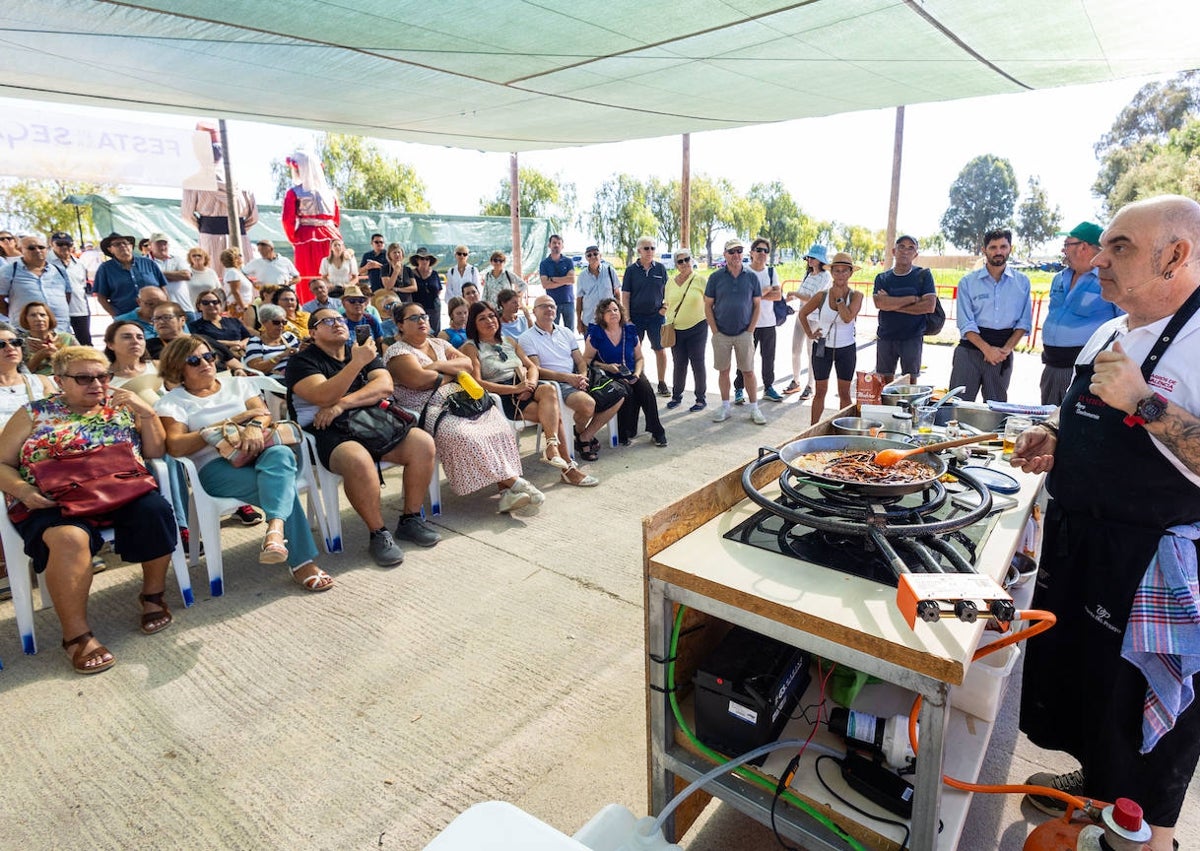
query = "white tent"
{"x": 510, "y": 75}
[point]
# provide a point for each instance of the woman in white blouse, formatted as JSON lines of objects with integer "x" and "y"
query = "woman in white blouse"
{"x": 460, "y": 273}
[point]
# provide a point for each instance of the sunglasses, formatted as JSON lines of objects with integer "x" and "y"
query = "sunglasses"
{"x": 7, "y": 237}
{"x": 354, "y": 300}
{"x": 683, "y": 259}
{"x": 194, "y": 360}
{"x": 332, "y": 322}
{"x": 85, "y": 379}
{"x": 417, "y": 317}
{"x": 210, "y": 302}
{"x": 500, "y": 351}
{"x": 377, "y": 242}
{"x": 593, "y": 254}
{"x": 35, "y": 248}
{"x": 760, "y": 250}
{"x": 646, "y": 248}
{"x": 460, "y": 254}
{"x": 734, "y": 251}
{"x": 4, "y": 344}
{"x": 277, "y": 322}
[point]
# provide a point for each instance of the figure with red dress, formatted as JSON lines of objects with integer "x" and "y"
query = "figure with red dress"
{"x": 310, "y": 218}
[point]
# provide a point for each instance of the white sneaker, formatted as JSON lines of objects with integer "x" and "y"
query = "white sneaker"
{"x": 536, "y": 497}
{"x": 722, "y": 414}
{"x": 756, "y": 416}
{"x": 511, "y": 500}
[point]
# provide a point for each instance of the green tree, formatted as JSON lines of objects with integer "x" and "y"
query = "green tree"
{"x": 1036, "y": 222}
{"x": 1153, "y": 168}
{"x": 1137, "y": 133}
{"x": 782, "y": 220}
{"x": 539, "y": 195}
{"x": 982, "y": 197}
{"x": 363, "y": 177}
{"x": 863, "y": 244}
{"x": 663, "y": 198}
{"x": 745, "y": 217}
{"x": 38, "y": 206}
{"x": 934, "y": 244}
{"x": 620, "y": 215}
{"x": 709, "y": 199}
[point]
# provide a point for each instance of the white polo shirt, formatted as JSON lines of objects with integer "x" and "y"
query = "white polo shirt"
{"x": 552, "y": 348}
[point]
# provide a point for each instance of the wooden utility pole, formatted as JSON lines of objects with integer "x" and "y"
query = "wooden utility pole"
{"x": 235, "y": 226}
{"x": 894, "y": 203}
{"x": 685, "y": 195}
{"x": 514, "y": 206}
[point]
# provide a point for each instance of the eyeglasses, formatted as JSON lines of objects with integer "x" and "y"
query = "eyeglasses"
{"x": 166, "y": 317}
{"x": 1071, "y": 243}
{"x": 760, "y": 250}
{"x": 194, "y": 360}
{"x": 417, "y": 317}
{"x": 277, "y": 322}
{"x": 354, "y": 300}
{"x": 35, "y": 248}
{"x": 7, "y": 237}
{"x": 210, "y": 302}
{"x": 460, "y": 254}
{"x": 497, "y": 259}
{"x": 733, "y": 251}
{"x": 85, "y": 379}
{"x": 332, "y": 321}
{"x": 550, "y": 306}
{"x": 4, "y": 344}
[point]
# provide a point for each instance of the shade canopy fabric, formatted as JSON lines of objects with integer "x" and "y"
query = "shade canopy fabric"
{"x": 511, "y": 75}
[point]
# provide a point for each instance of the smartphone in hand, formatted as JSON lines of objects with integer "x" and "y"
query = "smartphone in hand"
{"x": 362, "y": 333}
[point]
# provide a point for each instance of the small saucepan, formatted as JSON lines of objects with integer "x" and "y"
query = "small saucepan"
{"x": 912, "y": 395}
{"x": 857, "y": 425}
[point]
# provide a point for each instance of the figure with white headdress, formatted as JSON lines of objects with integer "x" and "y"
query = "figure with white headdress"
{"x": 310, "y": 218}
{"x": 207, "y": 210}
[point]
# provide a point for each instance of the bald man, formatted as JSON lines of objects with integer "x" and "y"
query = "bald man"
{"x": 1123, "y": 455}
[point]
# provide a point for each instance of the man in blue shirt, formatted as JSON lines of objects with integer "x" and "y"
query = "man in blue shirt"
{"x": 904, "y": 296}
{"x": 31, "y": 278}
{"x": 994, "y": 313}
{"x": 643, "y": 295}
{"x": 119, "y": 278}
{"x": 1076, "y": 310}
{"x": 732, "y": 298}
{"x": 558, "y": 280}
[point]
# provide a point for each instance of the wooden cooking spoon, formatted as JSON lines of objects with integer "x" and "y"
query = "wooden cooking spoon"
{"x": 890, "y": 457}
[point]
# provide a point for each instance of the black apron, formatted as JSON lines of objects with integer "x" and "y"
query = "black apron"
{"x": 1115, "y": 495}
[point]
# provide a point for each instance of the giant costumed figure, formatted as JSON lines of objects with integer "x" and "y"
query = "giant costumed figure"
{"x": 207, "y": 210}
{"x": 310, "y": 218}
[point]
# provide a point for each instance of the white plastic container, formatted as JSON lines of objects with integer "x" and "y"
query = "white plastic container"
{"x": 983, "y": 686}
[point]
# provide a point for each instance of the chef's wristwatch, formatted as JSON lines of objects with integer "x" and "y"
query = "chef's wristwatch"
{"x": 1149, "y": 410}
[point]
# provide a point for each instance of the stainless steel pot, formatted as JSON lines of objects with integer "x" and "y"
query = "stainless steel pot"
{"x": 840, "y": 443}
{"x": 857, "y": 425}
{"x": 909, "y": 394}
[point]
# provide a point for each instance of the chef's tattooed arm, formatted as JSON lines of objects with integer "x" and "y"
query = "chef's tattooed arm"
{"x": 1179, "y": 431}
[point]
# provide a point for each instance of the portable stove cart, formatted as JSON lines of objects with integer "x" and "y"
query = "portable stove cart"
{"x": 849, "y": 620}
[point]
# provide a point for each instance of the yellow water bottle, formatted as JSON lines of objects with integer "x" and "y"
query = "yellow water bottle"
{"x": 467, "y": 382}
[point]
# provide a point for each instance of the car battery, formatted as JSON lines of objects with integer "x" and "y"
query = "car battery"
{"x": 746, "y": 691}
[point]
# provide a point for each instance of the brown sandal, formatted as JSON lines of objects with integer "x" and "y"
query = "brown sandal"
{"x": 79, "y": 661}
{"x": 163, "y": 615}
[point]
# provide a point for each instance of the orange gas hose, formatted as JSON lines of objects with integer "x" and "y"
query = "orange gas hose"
{"x": 1043, "y": 621}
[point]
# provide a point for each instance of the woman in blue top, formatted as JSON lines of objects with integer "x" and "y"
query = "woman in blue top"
{"x": 456, "y": 333}
{"x": 612, "y": 343}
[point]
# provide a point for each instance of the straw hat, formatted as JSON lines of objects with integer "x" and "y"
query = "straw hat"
{"x": 844, "y": 259}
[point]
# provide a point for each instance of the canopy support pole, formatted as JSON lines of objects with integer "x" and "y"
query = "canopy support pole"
{"x": 894, "y": 202}
{"x": 235, "y": 230}
{"x": 514, "y": 208}
{"x": 685, "y": 196}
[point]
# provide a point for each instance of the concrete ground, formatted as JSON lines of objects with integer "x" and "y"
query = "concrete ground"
{"x": 506, "y": 663}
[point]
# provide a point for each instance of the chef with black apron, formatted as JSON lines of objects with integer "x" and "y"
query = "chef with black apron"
{"x": 1124, "y": 467}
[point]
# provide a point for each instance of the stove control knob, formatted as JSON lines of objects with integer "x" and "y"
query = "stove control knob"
{"x": 966, "y": 611}
{"x": 929, "y": 611}
{"x": 1003, "y": 610}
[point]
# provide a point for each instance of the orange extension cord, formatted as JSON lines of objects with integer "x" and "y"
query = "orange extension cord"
{"x": 1043, "y": 621}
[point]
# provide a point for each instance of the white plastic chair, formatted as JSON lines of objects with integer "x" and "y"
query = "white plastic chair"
{"x": 562, "y": 414}
{"x": 273, "y": 393}
{"x": 20, "y": 568}
{"x": 330, "y": 486}
{"x": 205, "y": 512}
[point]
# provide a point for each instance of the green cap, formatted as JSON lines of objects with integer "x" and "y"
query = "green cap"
{"x": 1088, "y": 232}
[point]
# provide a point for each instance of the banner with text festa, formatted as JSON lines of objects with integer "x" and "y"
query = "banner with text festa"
{"x": 62, "y": 146}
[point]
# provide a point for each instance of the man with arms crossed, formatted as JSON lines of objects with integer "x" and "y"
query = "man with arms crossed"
{"x": 732, "y": 299}
{"x": 904, "y": 296}
{"x": 558, "y": 280}
{"x": 1120, "y": 551}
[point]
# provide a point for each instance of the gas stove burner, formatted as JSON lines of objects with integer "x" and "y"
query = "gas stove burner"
{"x": 873, "y": 509}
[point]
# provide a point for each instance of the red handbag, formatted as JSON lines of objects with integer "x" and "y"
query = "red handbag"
{"x": 91, "y": 483}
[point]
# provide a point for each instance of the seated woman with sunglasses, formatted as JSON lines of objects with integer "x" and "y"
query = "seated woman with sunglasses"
{"x": 200, "y": 399}
{"x": 213, "y": 323}
{"x": 83, "y": 416}
{"x": 269, "y": 351}
{"x": 476, "y": 453}
{"x": 17, "y": 388}
{"x": 501, "y": 366}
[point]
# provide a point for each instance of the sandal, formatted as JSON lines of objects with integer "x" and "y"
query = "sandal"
{"x": 79, "y": 661}
{"x": 162, "y": 617}
{"x": 586, "y": 482}
{"x": 551, "y": 456}
{"x": 588, "y": 451}
{"x": 319, "y": 581}
{"x": 273, "y": 552}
